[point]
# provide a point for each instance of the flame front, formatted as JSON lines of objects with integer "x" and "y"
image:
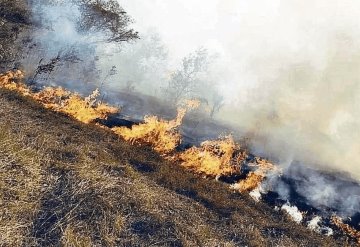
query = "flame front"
{"x": 11, "y": 80}
{"x": 85, "y": 110}
{"x": 254, "y": 178}
{"x": 161, "y": 134}
{"x": 158, "y": 133}
{"x": 213, "y": 158}
{"x": 337, "y": 221}
{"x": 58, "y": 99}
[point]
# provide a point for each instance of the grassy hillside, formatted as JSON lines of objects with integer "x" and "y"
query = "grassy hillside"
{"x": 63, "y": 183}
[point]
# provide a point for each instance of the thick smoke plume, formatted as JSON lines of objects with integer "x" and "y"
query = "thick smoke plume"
{"x": 302, "y": 100}
{"x": 289, "y": 71}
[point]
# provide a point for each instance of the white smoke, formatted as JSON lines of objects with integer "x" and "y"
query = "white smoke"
{"x": 316, "y": 225}
{"x": 293, "y": 212}
{"x": 290, "y": 70}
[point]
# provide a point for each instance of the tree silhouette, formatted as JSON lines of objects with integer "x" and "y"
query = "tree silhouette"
{"x": 186, "y": 80}
{"x": 108, "y": 17}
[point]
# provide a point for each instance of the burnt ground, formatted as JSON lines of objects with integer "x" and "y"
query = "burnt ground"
{"x": 63, "y": 183}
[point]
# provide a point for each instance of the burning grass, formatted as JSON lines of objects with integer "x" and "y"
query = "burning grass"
{"x": 12, "y": 81}
{"x": 337, "y": 221}
{"x": 213, "y": 158}
{"x": 158, "y": 133}
{"x": 86, "y": 110}
{"x": 254, "y": 178}
{"x": 161, "y": 134}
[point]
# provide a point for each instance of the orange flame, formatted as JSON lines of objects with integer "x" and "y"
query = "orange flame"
{"x": 337, "y": 221}
{"x": 85, "y": 110}
{"x": 10, "y": 80}
{"x": 155, "y": 132}
{"x": 58, "y": 99}
{"x": 52, "y": 98}
{"x": 162, "y": 135}
{"x": 213, "y": 158}
{"x": 254, "y": 179}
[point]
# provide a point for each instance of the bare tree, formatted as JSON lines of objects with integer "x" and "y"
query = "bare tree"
{"x": 217, "y": 103}
{"x": 59, "y": 58}
{"x": 69, "y": 56}
{"x": 106, "y": 16}
{"x": 186, "y": 80}
{"x": 143, "y": 64}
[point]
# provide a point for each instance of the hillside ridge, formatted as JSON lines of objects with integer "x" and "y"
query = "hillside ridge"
{"x": 65, "y": 183}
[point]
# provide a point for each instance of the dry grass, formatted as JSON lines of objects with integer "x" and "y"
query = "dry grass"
{"x": 64, "y": 183}
{"x": 19, "y": 190}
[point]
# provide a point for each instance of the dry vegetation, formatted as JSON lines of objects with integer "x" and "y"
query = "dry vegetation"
{"x": 86, "y": 110}
{"x": 70, "y": 184}
{"x": 213, "y": 159}
{"x": 65, "y": 183}
{"x": 20, "y": 189}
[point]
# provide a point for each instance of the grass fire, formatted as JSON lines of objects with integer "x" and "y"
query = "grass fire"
{"x": 162, "y": 135}
{"x": 58, "y": 99}
{"x": 112, "y": 133}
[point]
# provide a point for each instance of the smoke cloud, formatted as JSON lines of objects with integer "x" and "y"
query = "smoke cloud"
{"x": 289, "y": 70}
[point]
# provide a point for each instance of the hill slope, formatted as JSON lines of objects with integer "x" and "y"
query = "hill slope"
{"x": 63, "y": 183}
